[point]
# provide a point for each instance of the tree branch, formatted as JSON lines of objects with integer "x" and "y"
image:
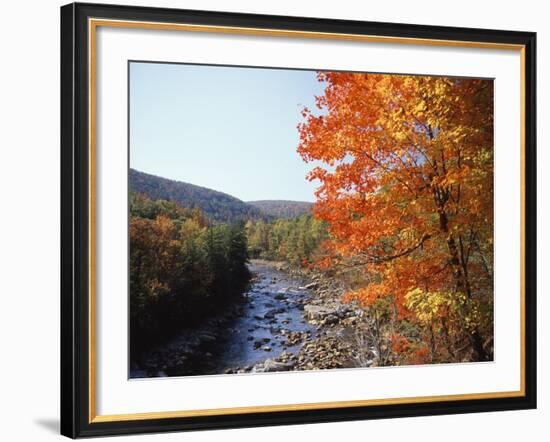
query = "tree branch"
{"x": 371, "y": 259}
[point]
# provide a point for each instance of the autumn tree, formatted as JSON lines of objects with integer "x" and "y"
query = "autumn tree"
{"x": 406, "y": 188}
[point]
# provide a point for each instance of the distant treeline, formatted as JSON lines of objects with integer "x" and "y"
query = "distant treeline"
{"x": 182, "y": 268}
{"x": 282, "y": 208}
{"x": 294, "y": 240}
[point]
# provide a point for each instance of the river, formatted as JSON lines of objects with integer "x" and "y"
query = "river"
{"x": 255, "y": 330}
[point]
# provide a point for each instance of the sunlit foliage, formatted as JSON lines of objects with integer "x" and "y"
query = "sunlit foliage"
{"x": 406, "y": 190}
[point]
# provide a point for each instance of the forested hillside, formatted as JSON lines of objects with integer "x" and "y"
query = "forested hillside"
{"x": 283, "y": 208}
{"x": 294, "y": 240}
{"x": 182, "y": 268}
{"x": 218, "y": 206}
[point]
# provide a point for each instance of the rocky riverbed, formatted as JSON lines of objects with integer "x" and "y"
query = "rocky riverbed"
{"x": 287, "y": 321}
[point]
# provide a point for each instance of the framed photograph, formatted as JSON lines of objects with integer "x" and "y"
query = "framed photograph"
{"x": 275, "y": 220}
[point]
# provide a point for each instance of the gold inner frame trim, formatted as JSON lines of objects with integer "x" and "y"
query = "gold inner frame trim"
{"x": 93, "y": 24}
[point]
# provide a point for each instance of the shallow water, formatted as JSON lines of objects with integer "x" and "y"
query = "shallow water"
{"x": 273, "y": 303}
{"x": 272, "y": 307}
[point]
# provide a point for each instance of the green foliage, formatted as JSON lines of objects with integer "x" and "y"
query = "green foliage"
{"x": 283, "y": 208}
{"x": 294, "y": 240}
{"x": 181, "y": 269}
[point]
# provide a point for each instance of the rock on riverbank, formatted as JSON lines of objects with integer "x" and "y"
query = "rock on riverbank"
{"x": 335, "y": 344}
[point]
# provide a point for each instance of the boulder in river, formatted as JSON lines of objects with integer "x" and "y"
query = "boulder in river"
{"x": 270, "y": 366}
{"x": 317, "y": 311}
{"x": 270, "y": 314}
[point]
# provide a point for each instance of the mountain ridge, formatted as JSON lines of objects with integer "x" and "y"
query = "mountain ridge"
{"x": 217, "y": 205}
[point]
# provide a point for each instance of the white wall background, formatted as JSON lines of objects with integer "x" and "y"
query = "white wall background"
{"x": 29, "y": 220}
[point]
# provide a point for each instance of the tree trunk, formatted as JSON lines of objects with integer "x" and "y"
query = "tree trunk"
{"x": 463, "y": 284}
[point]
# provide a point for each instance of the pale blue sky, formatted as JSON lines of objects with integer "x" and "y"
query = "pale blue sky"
{"x": 227, "y": 128}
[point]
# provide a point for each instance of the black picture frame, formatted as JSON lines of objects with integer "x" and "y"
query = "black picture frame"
{"x": 75, "y": 220}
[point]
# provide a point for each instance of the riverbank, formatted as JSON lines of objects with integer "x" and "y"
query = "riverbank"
{"x": 287, "y": 320}
{"x": 339, "y": 338}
